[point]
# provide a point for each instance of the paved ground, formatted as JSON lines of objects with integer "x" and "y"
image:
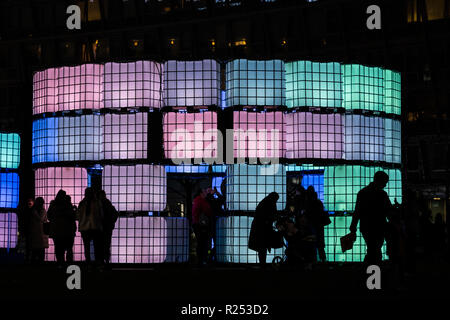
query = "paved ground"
{"x": 173, "y": 286}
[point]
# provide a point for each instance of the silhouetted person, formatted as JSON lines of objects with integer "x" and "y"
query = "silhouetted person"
{"x": 371, "y": 210}
{"x": 39, "y": 240}
{"x": 216, "y": 201}
{"x": 317, "y": 218}
{"x": 24, "y": 238}
{"x": 110, "y": 216}
{"x": 202, "y": 217}
{"x": 90, "y": 225}
{"x": 262, "y": 226}
{"x": 62, "y": 227}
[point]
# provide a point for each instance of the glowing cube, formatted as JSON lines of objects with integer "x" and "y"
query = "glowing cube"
{"x": 191, "y": 83}
{"x": 393, "y": 92}
{"x": 132, "y": 84}
{"x": 313, "y": 84}
{"x": 8, "y": 230}
{"x": 313, "y": 135}
{"x": 136, "y": 188}
{"x": 393, "y": 140}
{"x": 45, "y": 91}
{"x": 247, "y": 185}
{"x": 45, "y": 140}
{"x": 9, "y": 190}
{"x": 9, "y": 150}
{"x": 255, "y": 83}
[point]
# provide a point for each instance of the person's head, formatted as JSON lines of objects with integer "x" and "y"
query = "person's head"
{"x": 101, "y": 194}
{"x": 30, "y": 203}
{"x": 380, "y": 179}
{"x": 89, "y": 193}
{"x": 311, "y": 194}
{"x": 273, "y": 196}
{"x": 60, "y": 196}
{"x": 39, "y": 203}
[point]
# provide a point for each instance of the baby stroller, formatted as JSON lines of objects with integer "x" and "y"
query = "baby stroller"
{"x": 300, "y": 250}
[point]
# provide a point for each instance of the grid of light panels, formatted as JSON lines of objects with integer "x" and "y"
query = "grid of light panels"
{"x": 45, "y": 92}
{"x": 191, "y": 83}
{"x": 132, "y": 84}
{"x": 255, "y": 83}
{"x": 9, "y": 150}
{"x": 45, "y": 140}
{"x": 258, "y": 134}
{"x": 125, "y": 136}
{"x": 364, "y": 138}
{"x": 9, "y": 190}
{"x": 8, "y": 230}
{"x": 232, "y": 241}
{"x": 190, "y": 135}
{"x": 314, "y": 135}
{"x": 342, "y": 184}
{"x": 363, "y": 87}
{"x": 48, "y": 181}
{"x": 136, "y": 187}
{"x": 393, "y": 140}
{"x": 247, "y": 185}
{"x": 313, "y": 84}
{"x": 393, "y": 92}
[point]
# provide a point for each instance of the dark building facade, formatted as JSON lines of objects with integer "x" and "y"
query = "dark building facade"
{"x": 414, "y": 40}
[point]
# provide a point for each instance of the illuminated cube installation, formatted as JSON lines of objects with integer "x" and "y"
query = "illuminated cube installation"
{"x": 125, "y": 136}
{"x": 258, "y": 134}
{"x": 9, "y": 190}
{"x": 364, "y": 138}
{"x": 80, "y": 138}
{"x": 45, "y": 91}
{"x": 191, "y": 83}
{"x": 363, "y": 87}
{"x": 45, "y": 140}
{"x": 136, "y": 188}
{"x": 393, "y": 92}
{"x": 190, "y": 135}
{"x": 232, "y": 241}
{"x": 255, "y": 83}
{"x": 48, "y": 181}
{"x": 247, "y": 185}
{"x": 80, "y": 87}
{"x": 314, "y": 135}
{"x": 342, "y": 184}
{"x": 393, "y": 140}
{"x": 313, "y": 84}
{"x": 8, "y": 230}
{"x": 132, "y": 84}
{"x": 9, "y": 150}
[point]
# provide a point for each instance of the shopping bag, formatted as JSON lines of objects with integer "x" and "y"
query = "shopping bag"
{"x": 347, "y": 241}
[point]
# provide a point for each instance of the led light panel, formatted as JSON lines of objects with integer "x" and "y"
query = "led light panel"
{"x": 247, "y": 185}
{"x": 132, "y": 84}
{"x": 232, "y": 241}
{"x": 80, "y": 87}
{"x": 313, "y": 135}
{"x": 48, "y": 181}
{"x": 196, "y": 169}
{"x": 313, "y": 84}
{"x": 364, "y": 138}
{"x": 45, "y": 91}
{"x": 342, "y": 184}
{"x": 136, "y": 188}
{"x": 255, "y": 83}
{"x": 45, "y": 140}
{"x": 8, "y": 230}
{"x": 191, "y": 83}
{"x": 190, "y": 135}
{"x": 363, "y": 87}
{"x": 393, "y": 140}
{"x": 9, "y": 150}
{"x": 9, "y": 190}
{"x": 125, "y": 136}
{"x": 393, "y": 92}
{"x": 258, "y": 134}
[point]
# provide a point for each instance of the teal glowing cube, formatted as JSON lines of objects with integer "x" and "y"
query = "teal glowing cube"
{"x": 255, "y": 83}
{"x": 363, "y": 87}
{"x": 247, "y": 185}
{"x": 9, "y": 150}
{"x": 313, "y": 84}
{"x": 338, "y": 228}
{"x": 393, "y": 92}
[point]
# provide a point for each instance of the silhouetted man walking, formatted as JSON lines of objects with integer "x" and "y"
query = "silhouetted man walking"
{"x": 372, "y": 209}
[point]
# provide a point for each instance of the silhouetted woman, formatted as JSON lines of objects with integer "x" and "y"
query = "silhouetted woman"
{"x": 262, "y": 226}
{"x": 39, "y": 240}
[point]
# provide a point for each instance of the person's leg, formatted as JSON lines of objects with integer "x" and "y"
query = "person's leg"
{"x": 262, "y": 255}
{"x": 59, "y": 249}
{"x": 374, "y": 242}
{"x": 107, "y": 243}
{"x": 69, "y": 249}
{"x": 85, "y": 235}
{"x": 99, "y": 249}
{"x": 199, "y": 234}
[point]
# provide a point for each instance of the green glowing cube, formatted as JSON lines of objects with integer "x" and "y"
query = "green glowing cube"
{"x": 393, "y": 92}
{"x": 9, "y": 150}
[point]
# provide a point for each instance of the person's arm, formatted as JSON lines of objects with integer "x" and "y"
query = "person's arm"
{"x": 356, "y": 214}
